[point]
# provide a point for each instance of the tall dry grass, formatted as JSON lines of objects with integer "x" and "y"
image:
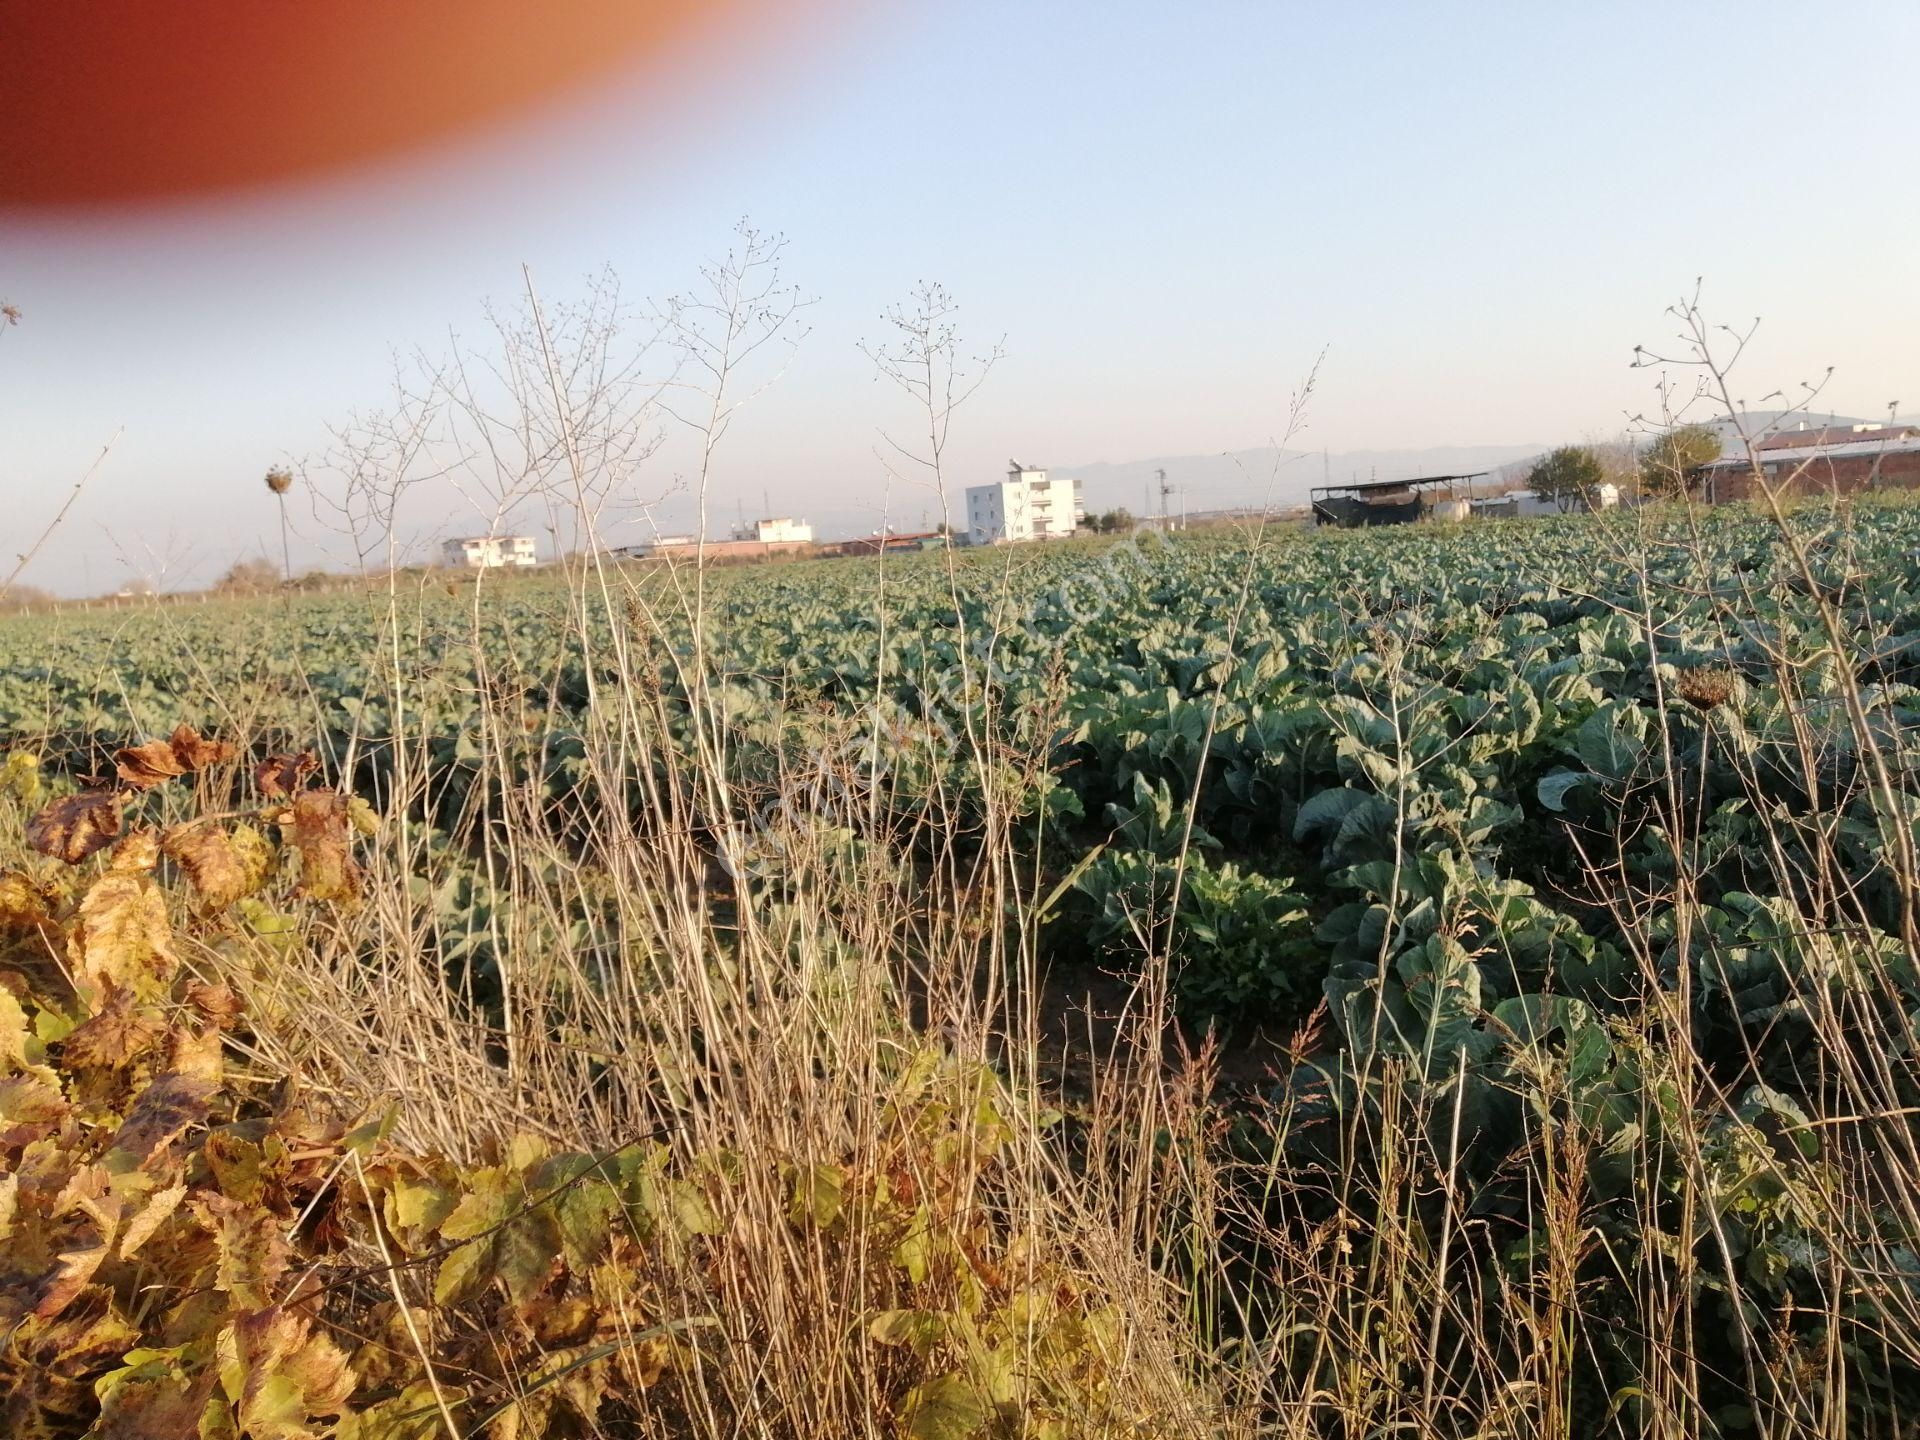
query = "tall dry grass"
{"x": 756, "y": 984}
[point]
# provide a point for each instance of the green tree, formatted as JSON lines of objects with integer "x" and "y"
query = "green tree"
{"x": 1571, "y": 475}
{"x": 1675, "y": 455}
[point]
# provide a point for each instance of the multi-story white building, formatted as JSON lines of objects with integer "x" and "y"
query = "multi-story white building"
{"x": 491, "y": 552}
{"x": 1024, "y": 506}
{"x": 781, "y": 530}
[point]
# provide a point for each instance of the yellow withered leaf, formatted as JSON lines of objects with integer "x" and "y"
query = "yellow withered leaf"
{"x": 23, "y": 904}
{"x": 20, "y": 776}
{"x": 290, "y": 1374}
{"x": 151, "y": 1217}
{"x": 15, "y": 1037}
{"x": 223, "y": 866}
{"x": 137, "y": 853}
{"x": 121, "y": 939}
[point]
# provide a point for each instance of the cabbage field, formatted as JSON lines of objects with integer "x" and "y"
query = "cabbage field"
{"x": 1547, "y": 887}
{"x": 1416, "y": 712}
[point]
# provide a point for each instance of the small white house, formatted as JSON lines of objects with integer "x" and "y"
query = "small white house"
{"x": 1027, "y": 505}
{"x": 781, "y": 530}
{"x": 491, "y": 552}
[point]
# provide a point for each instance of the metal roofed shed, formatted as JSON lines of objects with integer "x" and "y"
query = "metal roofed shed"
{"x": 1387, "y": 502}
{"x": 1871, "y": 460}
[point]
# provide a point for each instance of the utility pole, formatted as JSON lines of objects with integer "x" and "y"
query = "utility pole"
{"x": 1165, "y": 491}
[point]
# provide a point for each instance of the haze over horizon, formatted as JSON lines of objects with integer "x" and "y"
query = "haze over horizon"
{"x": 1475, "y": 213}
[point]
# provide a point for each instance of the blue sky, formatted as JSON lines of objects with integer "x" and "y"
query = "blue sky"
{"x": 1167, "y": 211}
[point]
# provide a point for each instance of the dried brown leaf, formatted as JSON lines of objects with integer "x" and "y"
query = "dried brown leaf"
{"x": 158, "y": 761}
{"x": 165, "y": 1111}
{"x": 214, "y": 1003}
{"x": 31, "y": 1100}
{"x": 251, "y": 1243}
{"x": 117, "y": 1036}
{"x": 281, "y": 775}
{"x": 145, "y": 766}
{"x": 155, "y": 1404}
{"x": 195, "y": 752}
{"x": 76, "y": 827}
{"x": 319, "y": 831}
{"x": 69, "y": 1278}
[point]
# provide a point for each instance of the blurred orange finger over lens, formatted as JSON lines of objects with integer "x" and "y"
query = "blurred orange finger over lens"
{"x": 115, "y": 100}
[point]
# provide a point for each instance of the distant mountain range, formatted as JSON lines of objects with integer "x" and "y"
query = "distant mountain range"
{"x": 1267, "y": 476}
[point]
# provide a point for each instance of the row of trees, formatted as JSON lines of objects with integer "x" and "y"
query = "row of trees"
{"x": 1576, "y": 472}
{"x": 1112, "y": 522}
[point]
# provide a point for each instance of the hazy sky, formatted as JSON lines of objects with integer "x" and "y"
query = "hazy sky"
{"x": 1167, "y": 210}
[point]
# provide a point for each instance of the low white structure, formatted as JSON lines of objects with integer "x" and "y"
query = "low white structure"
{"x": 491, "y": 552}
{"x": 780, "y": 530}
{"x": 657, "y": 545}
{"x": 1024, "y": 506}
{"x": 1531, "y": 502}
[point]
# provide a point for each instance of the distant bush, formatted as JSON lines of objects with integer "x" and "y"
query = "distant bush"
{"x": 1665, "y": 466}
{"x": 248, "y": 577}
{"x": 22, "y": 597}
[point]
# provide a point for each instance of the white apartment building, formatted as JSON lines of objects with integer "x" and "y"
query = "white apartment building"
{"x": 1024, "y": 506}
{"x": 490, "y": 552}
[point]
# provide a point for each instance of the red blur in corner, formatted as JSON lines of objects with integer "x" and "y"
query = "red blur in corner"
{"x": 105, "y": 101}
